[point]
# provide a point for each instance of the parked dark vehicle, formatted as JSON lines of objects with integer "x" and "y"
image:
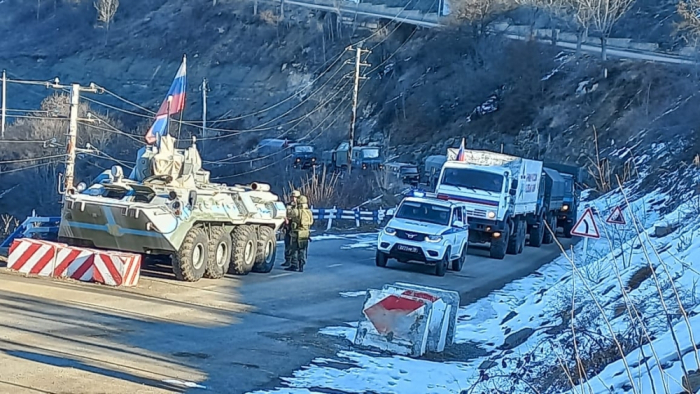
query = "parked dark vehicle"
{"x": 573, "y": 177}
{"x": 304, "y": 156}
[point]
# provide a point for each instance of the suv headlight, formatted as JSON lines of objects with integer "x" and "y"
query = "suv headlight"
{"x": 433, "y": 238}
{"x": 390, "y": 230}
{"x": 491, "y": 214}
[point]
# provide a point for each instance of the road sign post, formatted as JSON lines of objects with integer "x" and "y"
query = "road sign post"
{"x": 586, "y": 227}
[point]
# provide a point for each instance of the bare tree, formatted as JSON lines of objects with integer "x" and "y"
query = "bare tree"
{"x": 478, "y": 12}
{"x": 106, "y": 9}
{"x": 603, "y": 14}
{"x": 689, "y": 10}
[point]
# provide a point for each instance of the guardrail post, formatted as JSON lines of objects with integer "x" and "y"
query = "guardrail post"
{"x": 330, "y": 218}
{"x": 357, "y": 217}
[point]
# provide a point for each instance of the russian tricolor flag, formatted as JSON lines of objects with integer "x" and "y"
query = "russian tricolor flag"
{"x": 174, "y": 103}
{"x": 461, "y": 154}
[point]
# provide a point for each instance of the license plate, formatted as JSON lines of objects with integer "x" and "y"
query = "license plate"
{"x": 405, "y": 248}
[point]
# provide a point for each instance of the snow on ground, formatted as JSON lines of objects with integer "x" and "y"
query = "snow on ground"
{"x": 531, "y": 335}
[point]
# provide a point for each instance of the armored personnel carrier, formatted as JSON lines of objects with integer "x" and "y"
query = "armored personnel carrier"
{"x": 169, "y": 207}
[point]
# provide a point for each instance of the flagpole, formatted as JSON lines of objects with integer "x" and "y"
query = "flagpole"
{"x": 167, "y": 119}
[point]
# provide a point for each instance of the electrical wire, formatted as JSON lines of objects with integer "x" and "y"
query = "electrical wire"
{"x": 27, "y": 167}
{"x": 110, "y": 129}
{"x": 31, "y": 159}
{"x": 122, "y": 162}
{"x": 226, "y": 160}
{"x": 24, "y": 141}
{"x": 289, "y": 155}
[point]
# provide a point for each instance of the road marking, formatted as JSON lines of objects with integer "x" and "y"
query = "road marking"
{"x": 334, "y": 265}
{"x": 280, "y": 275}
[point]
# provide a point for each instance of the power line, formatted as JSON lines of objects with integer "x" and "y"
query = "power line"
{"x": 27, "y": 167}
{"x": 15, "y": 161}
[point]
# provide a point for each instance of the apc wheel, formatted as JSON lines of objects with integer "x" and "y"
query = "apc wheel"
{"x": 537, "y": 234}
{"x": 549, "y": 235}
{"x": 266, "y": 251}
{"x": 381, "y": 259}
{"x": 441, "y": 266}
{"x": 498, "y": 247}
{"x": 219, "y": 253}
{"x": 244, "y": 248}
{"x": 190, "y": 262}
{"x": 459, "y": 262}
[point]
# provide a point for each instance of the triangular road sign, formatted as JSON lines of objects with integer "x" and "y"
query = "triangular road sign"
{"x": 616, "y": 217}
{"x": 586, "y": 227}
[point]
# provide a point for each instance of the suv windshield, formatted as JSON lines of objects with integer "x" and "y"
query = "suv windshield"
{"x": 304, "y": 149}
{"x": 424, "y": 212}
{"x": 473, "y": 179}
{"x": 370, "y": 153}
{"x": 409, "y": 170}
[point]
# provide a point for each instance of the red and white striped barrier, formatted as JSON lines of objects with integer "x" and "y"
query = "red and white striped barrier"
{"x": 31, "y": 256}
{"x": 59, "y": 260}
{"x": 116, "y": 268}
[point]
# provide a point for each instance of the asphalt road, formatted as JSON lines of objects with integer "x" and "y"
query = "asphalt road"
{"x": 232, "y": 335}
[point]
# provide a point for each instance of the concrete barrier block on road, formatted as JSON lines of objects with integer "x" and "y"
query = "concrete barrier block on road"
{"x": 443, "y": 323}
{"x": 394, "y": 322}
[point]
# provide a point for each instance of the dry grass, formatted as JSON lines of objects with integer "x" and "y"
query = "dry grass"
{"x": 8, "y": 224}
{"x": 320, "y": 188}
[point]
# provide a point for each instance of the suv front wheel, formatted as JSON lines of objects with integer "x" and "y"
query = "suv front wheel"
{"x": 381, "y": 259}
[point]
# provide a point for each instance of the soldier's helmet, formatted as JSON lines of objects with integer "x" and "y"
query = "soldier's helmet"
{"x": 296, "y": 193}
{"x": 303, "y": 200}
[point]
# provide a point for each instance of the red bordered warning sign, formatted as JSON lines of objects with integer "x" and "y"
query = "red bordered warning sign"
{"x": 616, "y": 217}
{"x": 586, "y": 226}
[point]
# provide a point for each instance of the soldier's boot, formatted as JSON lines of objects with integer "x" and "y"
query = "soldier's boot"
{"x": 294, "y": 264}
{"x": 286, "y": 263}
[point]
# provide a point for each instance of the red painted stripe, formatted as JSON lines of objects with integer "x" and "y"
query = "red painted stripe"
{"x": 112, "y": 268}
{"x": 14, "y": 245}
{"x": 83, "y": 268}
{"x": 24, "y": 258}
{"x": 132, "y": 272}
{"x": 48, "y": 256}
{"x": 62, "y": 266}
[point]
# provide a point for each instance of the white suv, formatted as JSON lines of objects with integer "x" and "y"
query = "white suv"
{"x": 426, "y": 230}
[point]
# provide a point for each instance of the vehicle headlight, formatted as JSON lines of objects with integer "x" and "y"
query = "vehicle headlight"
{"x": 81, "y": 187}
{"x": 491, "y": 214}
{"x": 433, "y": 238}
{"x": 565, "y": 207}
{"x": 390, "y": 230}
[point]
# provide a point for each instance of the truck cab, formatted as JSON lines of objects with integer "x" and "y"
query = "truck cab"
{"x": 304, "y": 156}
{"x": 426, "y": 230}
{"x": 367, "y": 157}
{"x": 431, "y": 169}
{"x": 573, "y": 176}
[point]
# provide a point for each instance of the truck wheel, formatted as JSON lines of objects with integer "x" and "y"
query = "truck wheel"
{"x": 244, "y": 248}
{"x": 266, "y": 252}
{"x": 441, "y": 266}
{"x": 537, "y": 234}
{"x": 190, "y": 262}
{"x": 514, "y": 241}
{"x": 219, "y": 253}
{"x": 567, "y": 230}
{"x": 549, "y": 235}
{"x": 459, "y": 262}
{"x": 498, "y": 248}
{"x": 381, "y": 259}
{"x": 523, "y": 236}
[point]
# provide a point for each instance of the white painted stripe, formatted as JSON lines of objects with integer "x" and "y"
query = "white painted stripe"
{"x": 100, "y": 263}
{"x": 334, "y": 265}
{"x": 34, "y": 258}
{"x": 281, "y": 275}
{"x": 18, "y": 253}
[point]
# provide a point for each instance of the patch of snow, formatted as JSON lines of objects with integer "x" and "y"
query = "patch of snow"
{"x": 349, "y": 294}
{"x": 191, "y": 385}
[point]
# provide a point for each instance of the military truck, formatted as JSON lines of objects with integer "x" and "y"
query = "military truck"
{"x": 574, "y": 178}
{"x": 304, "y": 156}
{"x": 396, "y": 176}
{"x": 363, "y": 157}
{"x": 431, "y": 169}
{"x": 168, "y": 207}
{"x": 549, "y": 202}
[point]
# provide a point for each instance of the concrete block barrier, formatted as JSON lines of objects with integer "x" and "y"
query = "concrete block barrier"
{"x": 394, "y": 322}
{"x": 58, "y": 260}
{"x": 443, "y": 322}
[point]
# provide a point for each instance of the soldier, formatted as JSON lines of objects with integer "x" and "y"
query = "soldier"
{"x": 288, "y": 229}
{"x": 301, "y": 220}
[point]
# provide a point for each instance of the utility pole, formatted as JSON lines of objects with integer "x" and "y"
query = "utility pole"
{"x": 4, "y": 104}
{"x": 72, "y": 137}
{"x": 204, "y": 107}
{"x": 358, "y": 64}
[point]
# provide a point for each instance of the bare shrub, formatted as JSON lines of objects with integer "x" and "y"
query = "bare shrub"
{"x": 689, "y": 11}
{"x": 106, "y": 9}
{"x": 602, "y": 14}
{"x": 269, "y": 17}
{"x": 320, "y": 189}
{"x": 8, "y": 224}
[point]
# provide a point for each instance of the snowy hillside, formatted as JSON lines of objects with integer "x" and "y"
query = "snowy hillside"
{"x": 630, "y": 287}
